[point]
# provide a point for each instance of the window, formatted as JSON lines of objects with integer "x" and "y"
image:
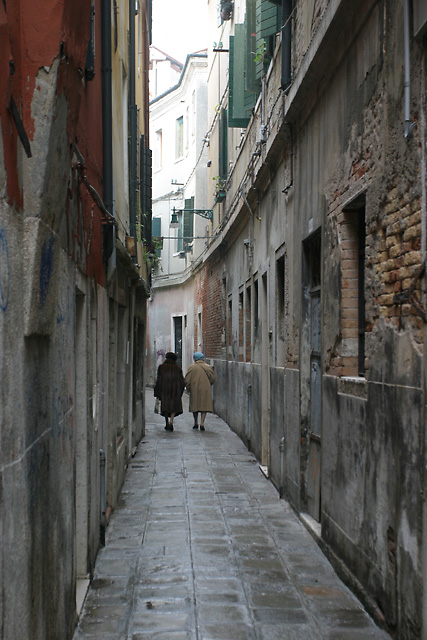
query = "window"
{"x": 158, "y": 150}
{"x": 157, "y": 232}
{"x": 223, "y": 145}
{"x": 353, "y": 288}
{"x": 188, "y": 223}
{"x": 280, "y": 315}
{"x": 179, "y": 149}
{"x": 193, "y": 116}
{"x": 251, "y": 49}
{"x": 187, "y": 128}
{"x": 240, "y": 102}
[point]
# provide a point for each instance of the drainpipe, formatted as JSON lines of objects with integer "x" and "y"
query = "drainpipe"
{"x": 102, "y": 494}
{"x": 409, "y": 126}
{"x": 282, "y": 466}
{"x": 133, "y": 129}
{"x": 249, "y": 432}
{"x": 107, "y": 126}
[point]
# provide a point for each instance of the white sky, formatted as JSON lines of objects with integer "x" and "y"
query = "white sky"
{"x": 180, "y": 26}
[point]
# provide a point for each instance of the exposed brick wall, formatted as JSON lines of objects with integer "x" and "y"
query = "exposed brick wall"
{"x": 392, "y": 270}
{"x": 394, "y": 258}
{"x": 209, "y": 295}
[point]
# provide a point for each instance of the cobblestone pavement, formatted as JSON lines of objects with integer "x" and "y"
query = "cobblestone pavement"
{"x": 201, "y": 548}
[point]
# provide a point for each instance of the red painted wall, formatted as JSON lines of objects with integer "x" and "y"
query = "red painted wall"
{"x": 33, "y": 33}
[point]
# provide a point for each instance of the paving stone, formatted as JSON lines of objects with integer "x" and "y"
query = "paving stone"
{"x": 200, "y": 547}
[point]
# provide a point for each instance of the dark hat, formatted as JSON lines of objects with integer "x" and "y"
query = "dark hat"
{"x": 171, "y": 356}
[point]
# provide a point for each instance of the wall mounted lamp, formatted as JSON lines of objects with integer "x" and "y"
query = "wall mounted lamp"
{"x": 204, "y": 213}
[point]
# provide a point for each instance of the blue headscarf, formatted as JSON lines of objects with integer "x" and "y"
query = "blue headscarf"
{"x": 198, "y": 356}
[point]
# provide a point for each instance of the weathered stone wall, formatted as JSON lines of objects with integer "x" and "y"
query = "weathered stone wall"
{"x": 57, "y": 354}
{"x": 342, "y": 124}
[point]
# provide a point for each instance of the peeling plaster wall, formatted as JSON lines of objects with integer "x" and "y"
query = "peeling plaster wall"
{"x": 54, "y": 320}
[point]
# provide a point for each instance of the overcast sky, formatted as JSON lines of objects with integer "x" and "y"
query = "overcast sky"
{"x": 180, "y": 27}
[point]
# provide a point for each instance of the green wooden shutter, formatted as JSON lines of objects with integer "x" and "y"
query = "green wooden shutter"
{"x": 188, "y": 225}
{"x": 252, "y": 81}
{"x": 239, "y": 115}
{"x": 157, "y": 231}
{"x": 270, "y": 19}
{"x": 223, "y": 144}
{"x": 180, "y": 243}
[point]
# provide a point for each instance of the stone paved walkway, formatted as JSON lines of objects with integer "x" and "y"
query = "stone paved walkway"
{"x": 201, "y": 548}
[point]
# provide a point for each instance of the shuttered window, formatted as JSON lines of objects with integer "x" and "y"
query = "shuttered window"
{"x": 223, "y": 142}
{"x": 157, "y": 231}
{"x": 241, "y": 101}
{"x": 188, "y": 221}
{"x": 252, "y": 82}
{"x": 251, "y": 49}
{"x": 268, "y": 23}
{"x": 145, "y": 193}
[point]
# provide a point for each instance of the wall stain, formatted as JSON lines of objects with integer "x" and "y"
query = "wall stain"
{"x": 4, "y": 272}
{"x": 45, "y": 269}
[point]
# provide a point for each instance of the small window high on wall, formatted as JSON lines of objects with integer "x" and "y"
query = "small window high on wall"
{"x": 179, "y": 149}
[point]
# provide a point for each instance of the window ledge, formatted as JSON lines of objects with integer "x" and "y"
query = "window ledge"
{"x": 353, "y": 386}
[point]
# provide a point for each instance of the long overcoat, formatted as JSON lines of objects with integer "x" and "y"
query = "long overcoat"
{"x": 169, "y": 387}
{"x": 198, "y": 380}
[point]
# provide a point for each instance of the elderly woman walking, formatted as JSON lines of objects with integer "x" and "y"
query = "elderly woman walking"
{"x": 169, "y": 388}
{"x": 198, "y": 380}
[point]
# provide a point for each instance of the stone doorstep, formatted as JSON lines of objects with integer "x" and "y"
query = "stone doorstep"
{"x": 82, "y": 586}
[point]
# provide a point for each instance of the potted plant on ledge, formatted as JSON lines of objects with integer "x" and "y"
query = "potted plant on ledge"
{"x": 220, "y": 191}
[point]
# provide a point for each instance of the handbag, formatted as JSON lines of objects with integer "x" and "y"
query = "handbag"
{"x": 157, "y": 406}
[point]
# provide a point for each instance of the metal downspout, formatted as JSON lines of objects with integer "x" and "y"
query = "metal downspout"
{"x": 102, "y": 496}
{"x": 107, "y": 133}
{"x": 133, "y": 130}
{"x": 282, "y": 467}
{"x": 409, "y": 126}
{"x": 107, "y": 108}
{"x": 249, "y": 431}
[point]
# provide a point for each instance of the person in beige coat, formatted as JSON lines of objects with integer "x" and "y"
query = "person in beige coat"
{"x": 198, "y": 381}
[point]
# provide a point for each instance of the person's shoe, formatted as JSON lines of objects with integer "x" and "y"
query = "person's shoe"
{"x": 196, "y": 426}
{"x": 169, "y": 427}
{"x": 202, "y": 428}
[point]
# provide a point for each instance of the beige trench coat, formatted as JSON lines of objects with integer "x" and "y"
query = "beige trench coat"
{"x": 198, "y": 380}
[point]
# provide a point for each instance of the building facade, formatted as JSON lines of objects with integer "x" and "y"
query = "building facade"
{"x": 178, "y": 126}
{"x": 312, "y": 291}
{"x": 73, "y": 288}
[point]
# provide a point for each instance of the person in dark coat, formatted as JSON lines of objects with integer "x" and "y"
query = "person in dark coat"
{"x": 199, "y": 380}
{"x": 169, "y": 389}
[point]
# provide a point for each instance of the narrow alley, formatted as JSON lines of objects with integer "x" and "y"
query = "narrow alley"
{"x": 201, "y": 547}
